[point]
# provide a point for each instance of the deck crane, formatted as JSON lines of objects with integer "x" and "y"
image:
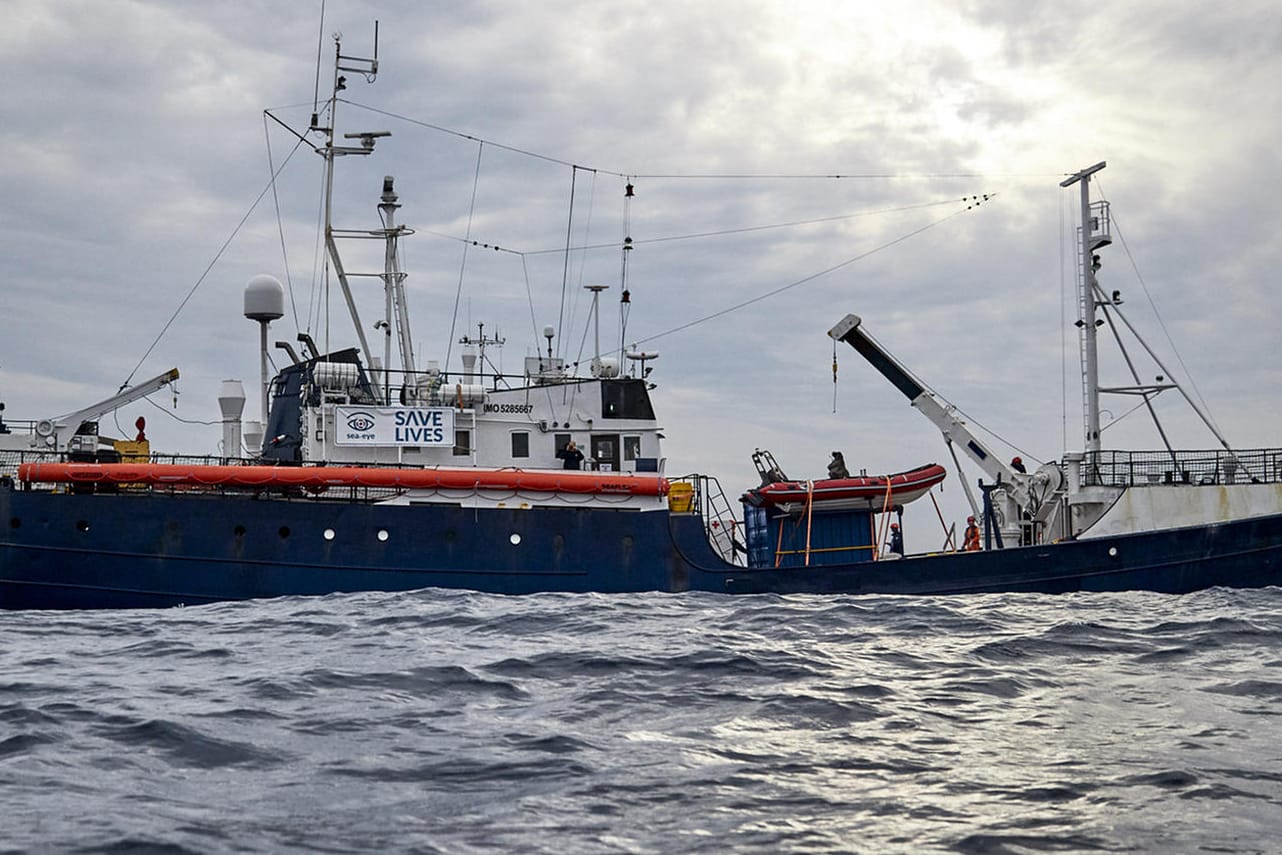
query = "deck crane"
{"x": 1021, "y": 497}
{"x": 55, "y": 433}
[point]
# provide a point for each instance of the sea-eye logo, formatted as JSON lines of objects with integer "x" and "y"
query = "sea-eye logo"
{"x": 360, "y": 421}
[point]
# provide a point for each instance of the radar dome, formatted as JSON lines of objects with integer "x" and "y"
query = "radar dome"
{"x": 264, "y": 298}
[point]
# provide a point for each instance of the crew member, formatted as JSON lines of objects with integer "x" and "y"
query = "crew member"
{"x": 971, "y": 541}
{"x": 896, "y": 539}
{"x": 837, "y": 466}
{"x": 1017, "y": 464}
{"x": 571, "y": 455}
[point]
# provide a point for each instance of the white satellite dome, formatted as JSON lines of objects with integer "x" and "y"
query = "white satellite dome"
{"x": 264, "y": 298}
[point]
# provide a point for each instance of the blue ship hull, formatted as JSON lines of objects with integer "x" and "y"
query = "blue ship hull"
{"x": 78, "y": 551}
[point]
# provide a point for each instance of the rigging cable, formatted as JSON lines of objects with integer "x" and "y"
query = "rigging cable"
{"x": 319, "y": 298}
{"x": 813, "y": 276}
{"x": 834, "y": 375}
{"x": 320, "y": 50}
{"x": 320, "y": 263}
{"x": 1117, "y": 229}
{"x": 577, "y": 294}
{"x": 534, "y": 323}
{"x": 1063, "y": 325}
{"x": 625, "y": 298}
{"x": 715, "y": 176}
{"x": 565, "y": 268}
{"x": 280, "y": 224}
{"x": 1098, "y": 296}
{"x": 583, "y": 259}
{"x": 201, "y": 279}
{"x": 529, "y": 299}
{"x": 750, "y": 229}
{"x": 458, "y": 292}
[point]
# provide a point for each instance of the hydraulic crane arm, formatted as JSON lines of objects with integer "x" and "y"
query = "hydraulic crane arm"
{"x": 62, "y": 427}
{"x": 941, "y": 414}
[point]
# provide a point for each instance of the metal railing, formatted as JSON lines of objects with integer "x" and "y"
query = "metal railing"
{"x": 719, "y": 518}
{"x": 1139, "y": 468}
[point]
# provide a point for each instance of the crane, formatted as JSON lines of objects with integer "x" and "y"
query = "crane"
{"x": 54, "y": 433}
{"x": 942, "y": 414}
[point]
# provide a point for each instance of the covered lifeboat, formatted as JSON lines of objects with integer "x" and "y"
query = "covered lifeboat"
{"x": 860, "y": 492}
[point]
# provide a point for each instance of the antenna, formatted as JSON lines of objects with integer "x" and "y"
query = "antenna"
{"x": 320, "y": 47}
{"x": 264, "y": 302}
{"x": 1089, "y": 241}
{"x": 362, "y": 65}
{"x": 472, "y": 360}
{"x": 596, "y": 317}
{"x": 329, "y": 151}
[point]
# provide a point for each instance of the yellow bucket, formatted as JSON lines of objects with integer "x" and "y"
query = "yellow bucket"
{"x": 681, "y": 497}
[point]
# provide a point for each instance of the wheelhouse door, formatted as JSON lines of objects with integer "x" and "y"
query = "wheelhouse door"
{"x": 605, "y": 452}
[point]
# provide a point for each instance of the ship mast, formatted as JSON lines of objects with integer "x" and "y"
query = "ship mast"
{"x": 1093, "y": 235}
{"x": 329, "y": 151}
{"x": 394, "y": 281}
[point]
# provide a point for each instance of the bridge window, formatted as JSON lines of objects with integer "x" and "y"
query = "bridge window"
{"x": 625, "y": 399}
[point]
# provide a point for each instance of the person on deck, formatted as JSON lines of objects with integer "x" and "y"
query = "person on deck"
{"x": 971, "y": 541}
{"x": 571, "y": 455}
{"x": 837, "y": 466}
{"x": 896, "y": 539}
{"x": 1017, "y": 464}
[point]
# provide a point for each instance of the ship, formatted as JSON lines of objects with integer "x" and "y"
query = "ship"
{"x": 362, "y": 476}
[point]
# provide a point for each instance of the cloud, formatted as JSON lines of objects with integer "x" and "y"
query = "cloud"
{"x": 135, "y": 143}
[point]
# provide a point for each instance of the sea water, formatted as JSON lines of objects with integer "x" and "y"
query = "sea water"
{"x": 453, "y": 722}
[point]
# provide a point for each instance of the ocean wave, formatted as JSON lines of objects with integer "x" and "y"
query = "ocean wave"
{"x": 447, "y": 721}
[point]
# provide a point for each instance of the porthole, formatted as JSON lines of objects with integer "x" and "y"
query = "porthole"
{"x": 515, "y": 539}
{"x": 14, "y": 522}
{"x": 239, "y": 531}
{"x": 82, "y": 525}
{"x": 329, "y": 534}
{"x": 1112, "y": 551}
{"x": 382, "y": 534}
{"x": 283, "y": 532}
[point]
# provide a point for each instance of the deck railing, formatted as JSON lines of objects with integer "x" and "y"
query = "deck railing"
{"x": 1140, "y": 468}
{"x": 1103, "y": 468}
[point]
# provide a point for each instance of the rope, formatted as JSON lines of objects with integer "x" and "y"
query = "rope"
{"x": 565, "y": 267}
{"x": 749, "y": 229}
{"x": 804, "y": 280}
{"x": 834, "y": 375}
{"x": 949, "y": 544}
{"x": 885, "y": 513}
{"x": 810, "y": 515}
{"x": 458, "y": 292}
{"x": 716, "y": 176}
{"x": 779, "y": 546}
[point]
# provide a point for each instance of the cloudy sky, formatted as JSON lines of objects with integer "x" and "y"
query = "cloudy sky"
{"x": 135, "y": 144}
